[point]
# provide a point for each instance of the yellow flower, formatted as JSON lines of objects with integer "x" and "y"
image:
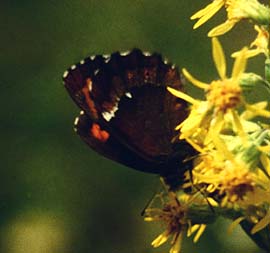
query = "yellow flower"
{"x": 234, "y": 165}
{"x": 173, "y": 214}
{"x": 231, "y": 178}
{"x": 236, "y": 182}
{"x": 228, "y": 180}
{"x": 260, "y": 44}
{"x": 236, "y": 11}
{"x": 223, "y": 96}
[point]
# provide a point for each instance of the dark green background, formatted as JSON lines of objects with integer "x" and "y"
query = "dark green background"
{"x": 57, "y": 195}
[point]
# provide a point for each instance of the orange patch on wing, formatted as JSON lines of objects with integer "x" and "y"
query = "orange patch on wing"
{"x": 99, "y": 134}
{"x": 86, "y": 90}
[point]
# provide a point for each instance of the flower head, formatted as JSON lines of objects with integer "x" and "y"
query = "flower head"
{"x": 173, "y": 213}
{"x": 223, "y": 96}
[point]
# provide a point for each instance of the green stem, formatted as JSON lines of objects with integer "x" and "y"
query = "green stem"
{"x": 267, "y": 72}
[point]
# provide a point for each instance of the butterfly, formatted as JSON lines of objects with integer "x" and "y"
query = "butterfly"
{"x": 127, "y": 114}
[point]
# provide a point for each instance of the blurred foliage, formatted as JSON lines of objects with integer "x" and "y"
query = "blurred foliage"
{"x": 57, "y": 195}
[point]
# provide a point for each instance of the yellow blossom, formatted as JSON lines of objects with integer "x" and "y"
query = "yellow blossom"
{"x": 223, "y": 96}
{"x": 232, "y": 181}
{"x": 173, "y": 214}
{"x": 231, "y": 174}
{"x": 233, "y": 168}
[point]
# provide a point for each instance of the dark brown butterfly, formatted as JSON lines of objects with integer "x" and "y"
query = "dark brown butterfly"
{"x": 127, "y": 113}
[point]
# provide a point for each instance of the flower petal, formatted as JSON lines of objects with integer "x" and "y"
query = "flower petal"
{"x": 239, "y": 126}
{"x": 239, "y": 64}
{"x": 262, "y": 223}
{"x": 182, "y": 95}
{"x": 199, "y": 233}
{"x": 206, "y": 13}
{"x": 234, "y": 224}
{"x": 219, "y": 58}
{"x": 162, "y": 238}
{"x": 192, "y": 229}
{"x": 194, "y": 81}
{"x": 223, "y": 28}
{"x": 176, "y": 248}
{"x": 257, "y": 111}
{"x": 249, "y": 53}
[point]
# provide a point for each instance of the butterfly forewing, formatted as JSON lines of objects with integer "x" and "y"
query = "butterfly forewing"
{"x": 128, "y": 114}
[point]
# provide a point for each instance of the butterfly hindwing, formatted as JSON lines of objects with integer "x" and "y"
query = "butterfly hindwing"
{"x": 110, "y": 147}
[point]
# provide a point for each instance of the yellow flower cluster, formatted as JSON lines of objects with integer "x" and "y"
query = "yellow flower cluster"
{"x": 230, "y": 144}
{"x": 232, "y": 136}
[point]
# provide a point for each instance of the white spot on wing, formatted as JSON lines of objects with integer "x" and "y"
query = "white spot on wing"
{"x": 166, "y": 61}
{"x": 128, "y": 94}
{"x": 146, "y": 54}
{"x": 76, "y": 121}
{"x": 173, "y": 66}
{"x": 107, "y": 59}
{"x": 65, "y": 74}
{"x": 90, "y": 85}
{"x": 96, "y": 72}
{"x": 125, "y": 53}
{"x": 109, "y": 115}
{"x": 73, "y": 67}
{"x": 92, "y": 57}
{"x": 82, "y": 62}
{"x": 106, "y": 56}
